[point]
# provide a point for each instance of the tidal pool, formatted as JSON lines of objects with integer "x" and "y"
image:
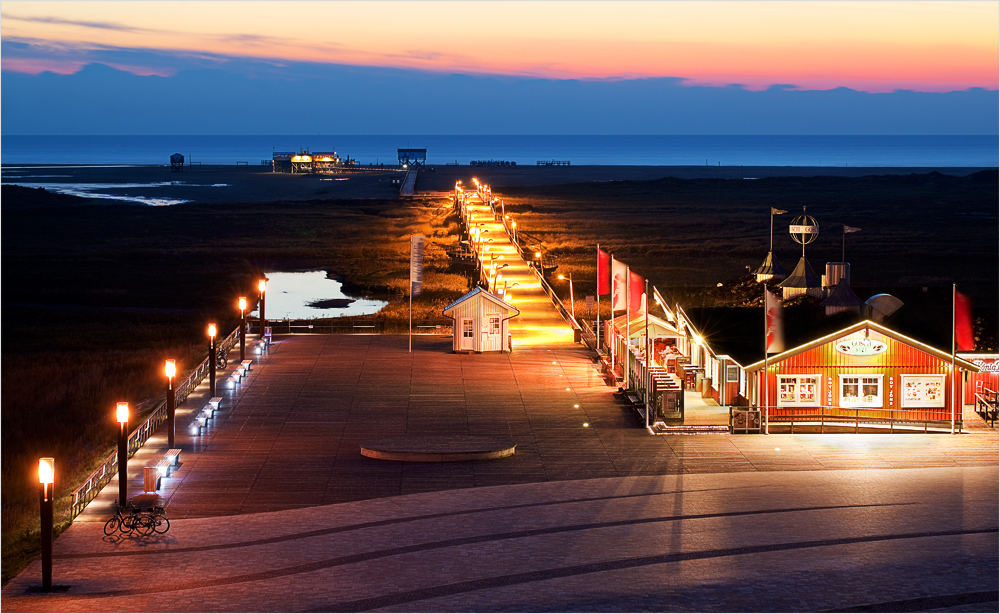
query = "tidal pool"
{"x": 311, "y": 294}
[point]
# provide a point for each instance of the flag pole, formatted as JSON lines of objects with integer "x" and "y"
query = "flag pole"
{"x": 767, "y": 413}
{"x": 843, "y": 244}
{"x": 597, "y": 331}
{"x": 410, "y": 350}
{"x": 628, "y": 316}
{"x": 953, "y": 289}
{"x": 614, "y": 334}
{"x": 649, "y": 358}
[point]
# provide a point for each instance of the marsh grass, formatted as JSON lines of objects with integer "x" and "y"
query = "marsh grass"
{"x": 97, "y": 296}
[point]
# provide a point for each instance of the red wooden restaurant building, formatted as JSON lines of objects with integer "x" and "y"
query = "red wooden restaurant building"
{"x": 865, "y": 375}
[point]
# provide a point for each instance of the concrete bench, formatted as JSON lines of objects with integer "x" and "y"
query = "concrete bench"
{"x": 215, "y": 402}
{"x": 235, "y": 377}
{"x": 246, "y": 364}
{"x": 199, "y": 424}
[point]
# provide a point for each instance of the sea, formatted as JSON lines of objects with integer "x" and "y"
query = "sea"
{"x": 626, "y": 150}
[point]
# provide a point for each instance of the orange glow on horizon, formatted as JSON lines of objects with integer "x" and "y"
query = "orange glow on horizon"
{"x": 872, "y": 46}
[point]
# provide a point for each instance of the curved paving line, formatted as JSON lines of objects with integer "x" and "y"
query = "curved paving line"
{"x": 376, "y": 523}
{"x": 455, "y": 588}
{"x": 447, "y": 543}
{"x": 924, "y": 604}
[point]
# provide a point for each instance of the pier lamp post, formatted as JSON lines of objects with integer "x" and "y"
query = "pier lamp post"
{"x": 513, "y": 226}
{"x": 572, "y": 303}
{"x": 262, "y": 287}
{"x": 243, "y": 328}
{"x": 46, "y": 495}
{"x": 541, "y": 268}
{"x": 170, "y": 370}
{"x": 121, "y": 414}
{"x": 211, "y": 358}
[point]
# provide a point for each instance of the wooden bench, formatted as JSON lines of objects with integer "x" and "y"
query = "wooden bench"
{"x": 173, "y": 456}
{"x": 198, "y": 424}
{"x": 246, "y": 365}
{"x": 215, "y": 402}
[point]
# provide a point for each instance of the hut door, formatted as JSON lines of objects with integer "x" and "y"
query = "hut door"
{"x": 468, "y": 340}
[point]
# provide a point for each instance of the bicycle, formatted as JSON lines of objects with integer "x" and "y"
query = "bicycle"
{"x": 158, "y": 518}
{"x": 221, "y": 360}
{"x": 133, "y": 522}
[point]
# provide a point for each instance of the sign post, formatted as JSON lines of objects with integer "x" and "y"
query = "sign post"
{"x": 416, "y": 274}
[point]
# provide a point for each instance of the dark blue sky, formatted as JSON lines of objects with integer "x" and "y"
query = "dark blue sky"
{"x": 248, "y": 97}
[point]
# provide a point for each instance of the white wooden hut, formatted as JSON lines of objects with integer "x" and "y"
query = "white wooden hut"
{"x": 480, "y": 322}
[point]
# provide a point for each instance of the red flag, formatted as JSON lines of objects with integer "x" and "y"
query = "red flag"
{"x": 637, "y": 293}
{"x": 619, "y": 273}
{"x": 964, "y": 340}
{"x": 774, "y": 332}
{"x": 603, "y": 271}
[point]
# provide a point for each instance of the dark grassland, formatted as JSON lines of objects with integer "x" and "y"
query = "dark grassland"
{"x": 97, "y": 295}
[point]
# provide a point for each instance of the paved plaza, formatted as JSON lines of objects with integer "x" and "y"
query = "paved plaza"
{"x": 274, "y": 509}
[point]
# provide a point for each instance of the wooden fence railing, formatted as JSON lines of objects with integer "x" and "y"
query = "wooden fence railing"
{"x": 86, "y": 492}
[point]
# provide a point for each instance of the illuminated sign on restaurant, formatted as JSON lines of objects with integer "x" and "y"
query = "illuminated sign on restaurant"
{"x": 861, "y": 347}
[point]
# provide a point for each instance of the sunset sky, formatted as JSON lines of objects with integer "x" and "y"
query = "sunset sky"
{"x": 507, "y": 67}
{"x": 866, "y": 46}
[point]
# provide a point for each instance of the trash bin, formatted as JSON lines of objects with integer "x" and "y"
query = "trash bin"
{"x": 151, "y": 479}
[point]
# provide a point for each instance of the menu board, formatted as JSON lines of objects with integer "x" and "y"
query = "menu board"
{"x": 923, "y": 391}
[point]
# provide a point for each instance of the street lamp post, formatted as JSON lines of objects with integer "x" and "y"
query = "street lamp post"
{"x": 170, "y": 370}
{"x": 243, "y": 328}
{"x": 121, "y": 413}
{"x": 262, "y": 287}
{"x": 46, "y": 495}
{"x": 572, "y": 303}
{"x": 211, "y": 358}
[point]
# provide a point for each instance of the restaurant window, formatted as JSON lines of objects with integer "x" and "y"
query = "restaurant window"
{"x": 732, "y": 373}
{"x": 798, "y": 390}
{"x": 861, "y": 391}
{"x": 922, "y": 391}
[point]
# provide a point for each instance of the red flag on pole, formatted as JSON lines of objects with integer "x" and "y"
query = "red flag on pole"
{"x": 637, "y": 298}
{"x": 603, "y": 272}
{"x": 619, "y": 273}
{"x": 964, "y": 340}
{"x": 774, "y": 331}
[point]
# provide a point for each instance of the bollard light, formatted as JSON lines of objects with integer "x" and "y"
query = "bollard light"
{"x": 243, "y": 328}
{"x": 170, "y": 370}
{"x": 121, "y": 413}
{"x": 46, "y": 477}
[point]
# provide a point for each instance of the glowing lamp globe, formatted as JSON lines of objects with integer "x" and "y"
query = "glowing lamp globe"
{"x": 46, "y": 470}
{"x": 243, "y": 303}
{"x": 170, "y": 368}
{"x": 211, "y": 330}
{"x": 262, "y": 285}
{"x": 121, "y": 412}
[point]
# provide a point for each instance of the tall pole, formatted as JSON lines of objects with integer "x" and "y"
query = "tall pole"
{"x": 262, "y": 287}
{"x": 572, "y": 301}
{"x": 614, "y": 336}
{"x": 46, "y": 494}
{"x": 211, "y": 359}
{"x": 170, "y": 369}
{"x": 953, "y": 290}
{"x": 767, "y": 422}
{"x": 628, "y": 318}
{"x": 597, "y": 334}
{"x": 122, "y": 414}
{"x": 243, "y": 328}
{"x": 648, "y": 357}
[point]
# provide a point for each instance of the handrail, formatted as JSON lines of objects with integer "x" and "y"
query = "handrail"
{"x": 86, "y": 492}
{"x": 556, "y": 301}
{"x": 842, "y": 415}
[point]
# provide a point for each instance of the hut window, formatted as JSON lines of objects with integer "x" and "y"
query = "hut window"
{"x": 494, "y": 325}
{"x": 922, "y": 391}
{"x": 467, "y": 328}
{"x": 798, "y": 390}
{"x": 861, "y": 391}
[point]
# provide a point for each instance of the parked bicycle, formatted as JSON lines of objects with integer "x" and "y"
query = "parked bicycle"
{"x": 221, "y": 360}
{"x": 131, "y": 519}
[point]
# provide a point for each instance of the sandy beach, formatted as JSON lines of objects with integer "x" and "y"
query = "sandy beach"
{"x": 221, "y": 184}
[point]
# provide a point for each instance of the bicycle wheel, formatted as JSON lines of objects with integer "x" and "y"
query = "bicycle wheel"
{"x": 162, "y": 525}
{"x": 111, "y": 526}
{"x": 126, "y": 524}
{"x": 146, "y": 525}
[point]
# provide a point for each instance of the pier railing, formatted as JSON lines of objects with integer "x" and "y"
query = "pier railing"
{"x": 86, "y": 492}
{"x": 349, "y": 327}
